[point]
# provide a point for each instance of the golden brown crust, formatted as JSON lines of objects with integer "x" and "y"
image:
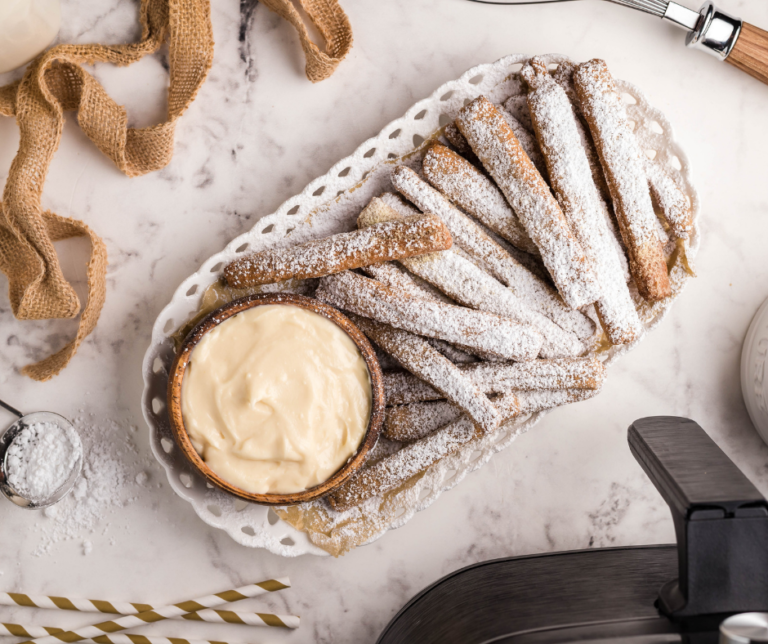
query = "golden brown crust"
{"x": 383, "y": 242}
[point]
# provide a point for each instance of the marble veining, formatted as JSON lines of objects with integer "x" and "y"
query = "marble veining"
{"x": 256, "y": 135}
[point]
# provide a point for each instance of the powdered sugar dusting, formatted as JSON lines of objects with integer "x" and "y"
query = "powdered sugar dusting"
{"x": 395, "y": 470}
{"x": 575, "y": 189}
{"x": 622, "y": 161}
{"x": 470, "y": 286}
{"x": 671, "y": 200}
{"x": 493, "y": 378}
{"x": 474, "y": 329}
{"x": 525, "y": 190}
{"x": 475, "y": 193}
{"x": 387, "y": 241}
{"x": 414, "y": 421}
{"x": 527, "y": 141}
{"x": 470, "y": 237}
{"x": 413, "y": 353}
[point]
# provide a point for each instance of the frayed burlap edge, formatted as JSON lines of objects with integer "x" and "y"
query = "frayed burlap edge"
{"x": 332, "y": 23}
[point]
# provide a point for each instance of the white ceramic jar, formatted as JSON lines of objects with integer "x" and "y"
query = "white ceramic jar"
{"x": 27, "y": 27}
{"x": 754, "y": 379}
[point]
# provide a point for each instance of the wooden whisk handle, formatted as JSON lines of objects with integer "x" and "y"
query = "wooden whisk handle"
{"x": 750, "y": 52}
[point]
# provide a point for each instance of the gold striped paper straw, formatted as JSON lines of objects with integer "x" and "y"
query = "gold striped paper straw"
{"x": 130, "y": 638}
{"x": 223, "y": 616}
{"x": 126, "y": 608}
{"x": 18, "y": 630}
{"x": 165, "y": 612}
{"x": 25, "y": 630}
{"x": 249, "y": 619}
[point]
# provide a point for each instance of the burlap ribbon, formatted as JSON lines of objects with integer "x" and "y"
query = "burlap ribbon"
{"x": 54, "y": 83}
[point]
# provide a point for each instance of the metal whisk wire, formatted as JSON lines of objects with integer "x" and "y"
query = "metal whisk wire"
{"x": 654, "y": 7}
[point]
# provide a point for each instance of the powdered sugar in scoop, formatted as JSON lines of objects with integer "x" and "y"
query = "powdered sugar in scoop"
{"x": 41, "y": 458}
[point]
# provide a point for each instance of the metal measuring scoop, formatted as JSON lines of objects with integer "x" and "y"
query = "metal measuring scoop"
{"x": 8, "y": 436}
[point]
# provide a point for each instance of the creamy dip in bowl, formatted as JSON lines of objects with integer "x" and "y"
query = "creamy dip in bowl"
{"x": 276, "y": 398}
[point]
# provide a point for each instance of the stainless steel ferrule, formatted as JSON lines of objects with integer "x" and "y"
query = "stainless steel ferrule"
{"x": 716, "y": 32}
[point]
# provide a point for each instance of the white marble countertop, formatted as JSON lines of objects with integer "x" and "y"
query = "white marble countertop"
{"x": 256, "y": 135}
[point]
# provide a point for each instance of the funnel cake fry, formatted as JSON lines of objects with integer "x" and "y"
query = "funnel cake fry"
{"x": 498, "y": 378}
{"x": 414, "y": 421}
{"x": 388, "y": 241}
{"x": 623, "y": 165}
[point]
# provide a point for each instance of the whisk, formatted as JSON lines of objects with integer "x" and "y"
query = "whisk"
{"x": 729, "y": 38}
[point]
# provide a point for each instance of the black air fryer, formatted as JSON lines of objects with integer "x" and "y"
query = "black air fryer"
{"x": 633, "y": 595}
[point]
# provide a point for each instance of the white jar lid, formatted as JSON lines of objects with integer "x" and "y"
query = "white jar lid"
{"x": 754, "y": 383}
{"x": 27, "y": 27}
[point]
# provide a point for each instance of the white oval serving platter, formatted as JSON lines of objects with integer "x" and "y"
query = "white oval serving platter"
{"x": 329, "y": 205}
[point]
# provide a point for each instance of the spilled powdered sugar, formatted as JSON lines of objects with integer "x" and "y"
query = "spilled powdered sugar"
{"x": 108, "y": 483}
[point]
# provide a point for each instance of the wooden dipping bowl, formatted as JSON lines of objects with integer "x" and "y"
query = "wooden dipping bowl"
{"x": 179, "y": 366}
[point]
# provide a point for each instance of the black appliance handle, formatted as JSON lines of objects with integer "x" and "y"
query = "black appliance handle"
{"x": 720, "y": 518}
